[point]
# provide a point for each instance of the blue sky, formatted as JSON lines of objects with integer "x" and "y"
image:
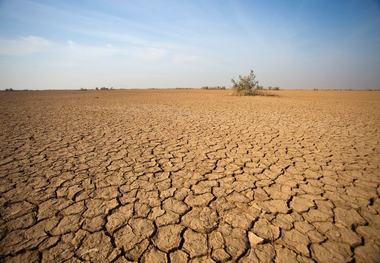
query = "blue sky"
{"x": 47, "y": 44}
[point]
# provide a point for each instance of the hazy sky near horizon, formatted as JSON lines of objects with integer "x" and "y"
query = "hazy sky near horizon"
{"x": 73, "y": 44}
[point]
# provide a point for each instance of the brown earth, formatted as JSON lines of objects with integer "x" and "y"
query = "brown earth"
{"x": 187, "y": 175}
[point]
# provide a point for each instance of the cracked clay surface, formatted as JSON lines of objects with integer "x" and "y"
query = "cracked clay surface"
{"x": 186, "y": 175}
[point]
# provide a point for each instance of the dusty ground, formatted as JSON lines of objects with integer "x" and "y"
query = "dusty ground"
{"x": 178, "y": 175}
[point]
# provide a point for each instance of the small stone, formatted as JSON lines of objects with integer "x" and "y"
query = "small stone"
{"x": 254, "y": 240}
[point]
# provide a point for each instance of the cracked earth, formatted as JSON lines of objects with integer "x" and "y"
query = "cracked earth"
{"x": 200, "y": 176}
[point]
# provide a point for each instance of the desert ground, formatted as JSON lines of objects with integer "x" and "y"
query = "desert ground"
{"x": 189, "y": 175}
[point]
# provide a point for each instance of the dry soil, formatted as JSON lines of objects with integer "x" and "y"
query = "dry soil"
{"x": 186, "y": 175}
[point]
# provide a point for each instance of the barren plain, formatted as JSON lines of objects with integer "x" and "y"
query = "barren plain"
{"x": 189, "y": 175}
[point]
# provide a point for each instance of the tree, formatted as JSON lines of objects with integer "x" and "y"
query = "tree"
{"x": 246, "y": 85}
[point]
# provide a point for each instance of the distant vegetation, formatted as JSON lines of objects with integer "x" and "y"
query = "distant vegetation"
{"x": 273, "y": 88}
{"x": 104, "y": 88}
{"x": 97, "y": 88}
{"x": 214, "y": 87}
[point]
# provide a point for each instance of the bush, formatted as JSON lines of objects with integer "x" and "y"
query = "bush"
{"x": 246, "y": 85}
{"x": 214, "y": 88}
{"x": 273, "y": 88}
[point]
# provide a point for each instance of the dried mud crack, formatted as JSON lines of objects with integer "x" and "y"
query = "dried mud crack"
{"x": 179, "y": 176}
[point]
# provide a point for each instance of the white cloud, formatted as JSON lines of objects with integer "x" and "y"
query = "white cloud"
{"x": 70, "y": 43}
{"x": 73, "y": 51}
{"x": 184, "y": 58}
{"x": 45, "y": 63}
{"x": 24, "y": 45}
{"x": 149, "y": 53}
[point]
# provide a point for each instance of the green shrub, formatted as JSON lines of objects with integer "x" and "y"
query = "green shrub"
{"x": 246, "y": 85}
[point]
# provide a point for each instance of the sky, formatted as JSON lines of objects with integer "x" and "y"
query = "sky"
{"x": 296, "y": 44}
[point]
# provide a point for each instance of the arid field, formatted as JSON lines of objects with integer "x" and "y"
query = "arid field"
{"x": 189, "y": 175}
